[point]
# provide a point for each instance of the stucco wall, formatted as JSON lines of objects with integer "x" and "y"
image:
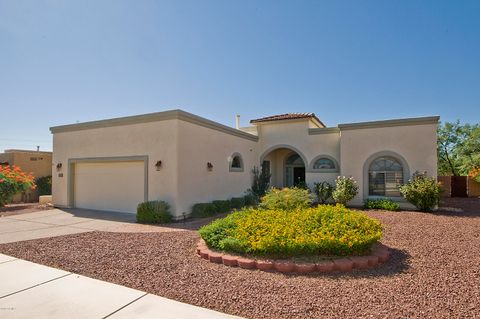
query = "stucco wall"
{"x": 415, "y": 143}
{"x": 157, "y": 140}
{"x": 199, "y": 145}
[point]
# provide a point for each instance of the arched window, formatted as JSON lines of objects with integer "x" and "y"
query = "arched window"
{"x": 294, "y": 159}
{"x": 385, "y": 176}
{"x": 324, "y": 163}
{"x": 236, "y": 163}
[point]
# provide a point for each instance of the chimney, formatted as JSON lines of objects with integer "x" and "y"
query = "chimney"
{"x": 237, "y": 121}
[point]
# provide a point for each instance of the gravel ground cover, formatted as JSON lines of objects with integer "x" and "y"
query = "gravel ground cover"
{"x": 433, "y": 272}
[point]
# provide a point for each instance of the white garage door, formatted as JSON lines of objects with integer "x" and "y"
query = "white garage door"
{"x": 111, "y": 186}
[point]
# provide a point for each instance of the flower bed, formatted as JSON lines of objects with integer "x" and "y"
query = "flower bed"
{"x": 277, "y": 234}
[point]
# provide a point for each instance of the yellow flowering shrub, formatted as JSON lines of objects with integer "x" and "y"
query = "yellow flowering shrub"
{"x": 323, "y": 230}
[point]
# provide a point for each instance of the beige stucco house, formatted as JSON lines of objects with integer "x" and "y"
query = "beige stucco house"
{"x": 185, "y": 159}
{"x": 38, "y": 163}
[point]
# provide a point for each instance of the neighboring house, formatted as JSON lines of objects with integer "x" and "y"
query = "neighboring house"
{"x": 185, "y": 159}
{"x": 37, "y": 162}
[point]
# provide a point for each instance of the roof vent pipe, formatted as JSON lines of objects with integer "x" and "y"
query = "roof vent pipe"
{"x": 237, "y": 121}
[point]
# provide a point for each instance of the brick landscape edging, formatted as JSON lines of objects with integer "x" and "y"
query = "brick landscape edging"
{"x": 380, "y": 254}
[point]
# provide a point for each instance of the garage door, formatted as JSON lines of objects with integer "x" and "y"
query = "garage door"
{"x": 110, "y": 186}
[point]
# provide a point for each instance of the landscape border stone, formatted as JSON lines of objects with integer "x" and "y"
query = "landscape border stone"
{"x": 380, "y": 254}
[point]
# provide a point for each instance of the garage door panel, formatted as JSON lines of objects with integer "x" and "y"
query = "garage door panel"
{"x": 111, "y": 186}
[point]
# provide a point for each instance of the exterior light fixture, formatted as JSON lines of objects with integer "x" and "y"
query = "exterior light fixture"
{"x": 59, "y": 166}
{"x": 209, "y": 166}
{"x": 158, "y": 165}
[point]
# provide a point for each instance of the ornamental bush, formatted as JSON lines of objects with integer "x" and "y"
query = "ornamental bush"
{"x": 346, "y": 189}
{"x": 222, "y": 206}
{"x": 324, "y": 230}
{"x": 203, "y": 210}
{"x": 323, "y": 191}
{"x": 384, "y": 203}
{"x": 237, "y": 202}
{"x": 12, "y": 181}
{"x": 286, "y": 198}
{"x": 44, "y": 185}
{"x": 422, "y": 191}
{"x": 154, "y": 212}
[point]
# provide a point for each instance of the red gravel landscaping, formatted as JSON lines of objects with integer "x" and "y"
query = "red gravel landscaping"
{"x": 433, "y": 271}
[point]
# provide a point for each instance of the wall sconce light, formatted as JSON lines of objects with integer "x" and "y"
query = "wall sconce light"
{"x": 209, "y": 166}
{"x": 158, "y": 165}
{"x": 59, "y": 166}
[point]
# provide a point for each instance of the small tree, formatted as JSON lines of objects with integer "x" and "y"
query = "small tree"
{"x": 346, "y": 189}
{"x": 261, "y": 181}
{"x": 324, "y": 191}
{"x": 422, "y": 191}
{"x": 13, "y": 181}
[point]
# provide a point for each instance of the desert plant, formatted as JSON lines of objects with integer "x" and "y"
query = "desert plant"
{"x": 203, "y": 210}
{"x": 346, "y": 189}
{"x": 44, "y": 185}
{"x": 384, "y": 203}
{"x": 422, "y": 191}
{"x": 261, "y": 181}
{"x": 324, "y": 230}
{"x": 286, "y": 199}
{"x": 154, "y": 212}
{"x": 323, "y": 191}
{"x": 12, "y": 181}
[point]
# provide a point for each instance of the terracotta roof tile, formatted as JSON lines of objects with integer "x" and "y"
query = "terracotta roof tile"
{"x": 287, "y": 116}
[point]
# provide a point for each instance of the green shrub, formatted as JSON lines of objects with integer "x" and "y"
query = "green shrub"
{"x": 221, "y": 206}
{"x": 422, "y": 191}
{"x": 44, "y": 185}
{"x": 154, "y": 212}
{"x": 218, "y": 230}
{"x": 384, "y": 203}
{"x": 203, "y": 210}
{"x": 12, "y": 181}
{"x": 324, "y": 230}
{"x": 286, "y": 199}
{"x": 250, "y": 200}
{"x": 323, "y": 191}
{"x": 237, "y": 202}
{"x": 302, "y": 185}
{"x": 346, "y": 189}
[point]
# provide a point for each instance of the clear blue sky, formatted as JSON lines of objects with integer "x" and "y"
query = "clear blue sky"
{"x": 347, "y": 61}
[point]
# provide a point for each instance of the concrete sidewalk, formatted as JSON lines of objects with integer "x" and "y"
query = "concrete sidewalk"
{"x": 30, "y": 290}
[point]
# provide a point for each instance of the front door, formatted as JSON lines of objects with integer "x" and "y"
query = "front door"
{"x": 298, "y": 175}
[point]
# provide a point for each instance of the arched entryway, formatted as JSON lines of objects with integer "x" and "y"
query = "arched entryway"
{"x": 286, "y": 164}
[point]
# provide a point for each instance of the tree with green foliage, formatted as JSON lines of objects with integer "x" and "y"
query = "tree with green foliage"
{"x": 458, "y": 148}
{"x": 261, "y": 181}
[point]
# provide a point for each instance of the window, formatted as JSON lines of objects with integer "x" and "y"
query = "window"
{"x": 294, "y": 159}
{"x": 385, "y": 176}
{"x": 236, "y": 163}
{"x": 324, "y": 163}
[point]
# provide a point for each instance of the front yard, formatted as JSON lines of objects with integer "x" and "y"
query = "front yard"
{"x": 433, "y": 271}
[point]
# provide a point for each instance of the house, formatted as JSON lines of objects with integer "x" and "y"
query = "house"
{"x": 37, "y": 162}
{"x": 186, "y": 159}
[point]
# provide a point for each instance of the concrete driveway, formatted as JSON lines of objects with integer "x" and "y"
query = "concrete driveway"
{"x": 58, "y": 222}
